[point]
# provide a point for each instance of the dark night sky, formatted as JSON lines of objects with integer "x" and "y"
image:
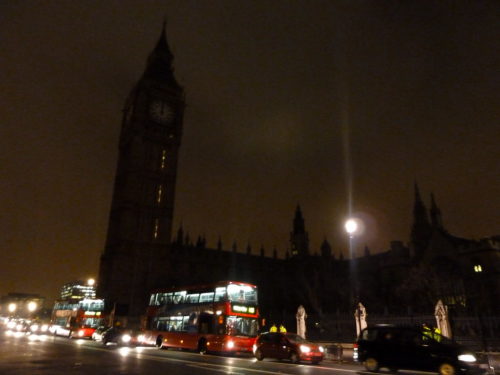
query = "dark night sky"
{"x": 288, "y": 102}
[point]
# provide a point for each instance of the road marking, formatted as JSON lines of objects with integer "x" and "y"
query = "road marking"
{"x": 205, "y": 367}
{"x": 212, "y": 366}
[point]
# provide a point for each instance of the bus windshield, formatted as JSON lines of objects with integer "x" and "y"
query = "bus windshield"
{"x": 240, "y": 326}
{"x": 242, "y": 293}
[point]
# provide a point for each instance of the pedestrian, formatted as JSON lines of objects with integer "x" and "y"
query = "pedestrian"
{"x": 282, "y": 328}
{"x": 273, "y": 328}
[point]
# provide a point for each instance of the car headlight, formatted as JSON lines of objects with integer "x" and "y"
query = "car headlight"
{"x": 45, "y": 327}
{"x": 126, "y": 338}
{"x": 141, "y": 338}
{"x": 467, "y": 358}
{"x": 321, "y": 349}
{"x": 230, "y": 344}
{"x": 34, "y": 328}
{"x": 305, "y": 349}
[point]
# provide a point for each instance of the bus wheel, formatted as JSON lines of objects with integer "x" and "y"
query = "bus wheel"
{"x": 159, "y": 342}
{"x": 202, "y": 346}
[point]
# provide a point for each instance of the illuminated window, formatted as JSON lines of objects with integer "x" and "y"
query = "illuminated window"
{"x": 158, "y": 194}
{"x": 157, "y": 224}
{"x": 478, "y": 268}
{"x": 163, "y": 157}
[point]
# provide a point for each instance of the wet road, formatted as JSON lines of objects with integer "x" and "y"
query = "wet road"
{"x": 48, "y": 355}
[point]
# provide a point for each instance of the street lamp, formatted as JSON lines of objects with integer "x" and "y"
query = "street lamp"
{"x": 12, "y": 307}
{"x": 90, "y": 282}
{"x": 353, "y": 227}
{"x": 32, "y": 306}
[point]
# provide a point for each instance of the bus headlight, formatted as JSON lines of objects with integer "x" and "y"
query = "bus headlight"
{"x": 254, "y": 348}
{"x": 467, "y": 358}
{"x": 81, "y": 333}
{"x": 230, "y": 344}
{"x": 126, "y": 338}
{"x": 305, "y": 349}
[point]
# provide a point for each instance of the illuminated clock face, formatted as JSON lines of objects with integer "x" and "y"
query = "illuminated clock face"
{"x": 161, "y": 112}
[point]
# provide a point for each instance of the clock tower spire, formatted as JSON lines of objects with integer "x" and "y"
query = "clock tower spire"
{"x": 141, "y": 216}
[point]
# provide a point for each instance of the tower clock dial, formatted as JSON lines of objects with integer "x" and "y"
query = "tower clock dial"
{"x": 161, "y": 112}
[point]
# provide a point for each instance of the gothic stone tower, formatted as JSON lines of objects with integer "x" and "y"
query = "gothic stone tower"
{"x": 299, "y": 238}
{"x": 421, "y": 228}
{"x": 140, "y": 220}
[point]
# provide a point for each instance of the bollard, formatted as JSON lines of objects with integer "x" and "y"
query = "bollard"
{"x": 340, "y": 352}
{"x": 335, "y": 352}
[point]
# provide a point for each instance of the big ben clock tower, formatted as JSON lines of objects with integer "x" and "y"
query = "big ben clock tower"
{"x": 141, "y": 216}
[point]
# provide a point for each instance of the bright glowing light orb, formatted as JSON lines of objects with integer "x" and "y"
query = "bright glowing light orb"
{"x": 351, "y": 226}
{"x": 32, "y": 306}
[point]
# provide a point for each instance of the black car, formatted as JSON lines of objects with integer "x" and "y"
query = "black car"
{"x": 122, "y": 337}
{"x": 413, "y": 349}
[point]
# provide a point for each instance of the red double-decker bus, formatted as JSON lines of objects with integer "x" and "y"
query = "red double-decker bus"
{"x": 222, "y": 317}
{"x": 77, "y": 318}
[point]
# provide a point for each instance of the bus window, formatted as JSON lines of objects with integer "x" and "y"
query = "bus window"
{"x": 192, "y": 298}
{"x": 179, "y": 297}
{"x": 220, "y": 294}
{"x": 242, "y": 293}
{"x": 240, "y": 326}
{"x": 185, "y": 321}
{"x": 170, "y": 297}
{"x": 206, "y": 297}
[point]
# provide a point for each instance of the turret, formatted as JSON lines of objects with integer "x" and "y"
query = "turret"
{"x": 299, "y": 238}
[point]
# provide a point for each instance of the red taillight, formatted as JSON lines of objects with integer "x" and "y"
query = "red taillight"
{"x": 355, "y": 346}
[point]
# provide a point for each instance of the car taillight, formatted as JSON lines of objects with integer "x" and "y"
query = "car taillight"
{"x": 355, "y": 346}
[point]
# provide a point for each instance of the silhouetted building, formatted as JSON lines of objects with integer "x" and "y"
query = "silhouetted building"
{"x": 139, "y": 254}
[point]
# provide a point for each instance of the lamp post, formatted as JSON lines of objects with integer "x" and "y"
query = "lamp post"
{"x": 353, "y": 227}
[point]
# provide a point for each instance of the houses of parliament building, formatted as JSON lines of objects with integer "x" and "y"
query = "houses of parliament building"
{"x": 142, "y": 254}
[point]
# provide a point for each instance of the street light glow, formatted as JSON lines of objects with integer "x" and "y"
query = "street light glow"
{"x": 32, "y": 306}
{"x": 90, "y": 282}
{"x": 351, "y": 226}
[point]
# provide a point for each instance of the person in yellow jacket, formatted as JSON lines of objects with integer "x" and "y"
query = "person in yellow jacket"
{"x": 426, "y": 332}
{"x": 273, "y": 328}
{"x": 282, "y": 328}
{"x": 437, "y": 334}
